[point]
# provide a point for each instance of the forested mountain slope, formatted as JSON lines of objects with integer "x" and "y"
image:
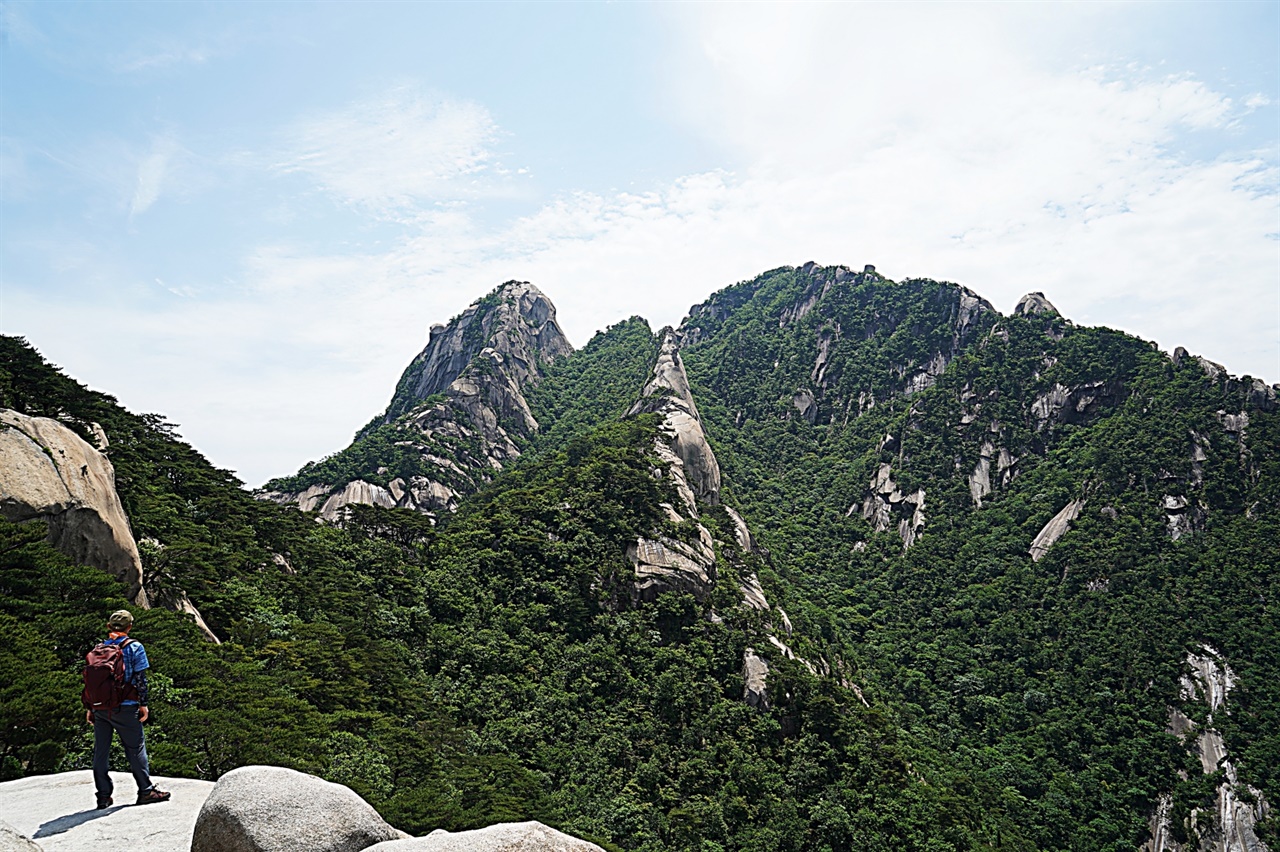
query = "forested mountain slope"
{"x": 839, "y": 563}
{"x": 904, "y": 455}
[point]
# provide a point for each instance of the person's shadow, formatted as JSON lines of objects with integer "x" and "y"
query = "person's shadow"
{"x": 70, "y": 821}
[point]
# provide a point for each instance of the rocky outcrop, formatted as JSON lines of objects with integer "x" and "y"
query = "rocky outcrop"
{"x": 1231, "y": 827}
{"x": 886, "y": 506}
{"x": 358, "y": 491}
{"x": 1055, "y": 529}
{"x": 503, "y": 837}
{"x": 667, "y": 563}
{"x": 1032, "y": 304}
{"x": 49, "y": 473}
{"x": 1257, "y": 393}
{"x": 1076, "y": 405}
{"x": 667, "y": 393}
{"x": 272, "y": 809}
{"x": 1182, "y": 515}
{"x": 460, "y": 405}
{"x": 517, "y": 321}
{"x": 755, "y": 676}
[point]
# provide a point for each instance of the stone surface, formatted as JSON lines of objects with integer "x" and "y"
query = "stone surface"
{"x": 49, "y": 473}
{"x": 885, "y": 502}
{"x": 662, "y": 563}
{"x": 755, "y": 676}
{"x": 665, "y": 564}
{"x": 503, "y": 837}
{"x": 57, "y": 812}
{"x": 980, "y": 479}
{"x": 11, "y": 840}
{"x": 475, "y": 371}
{"x": 359, "y": 492}
{"x": 517, "y": 321}
{"x": 667, "y": 393}
{"x": 1231, "y": 827}
{"x": 272, "y": 809}
{"x": 1033, "y": 303}
{"x": 1055, "y": 529}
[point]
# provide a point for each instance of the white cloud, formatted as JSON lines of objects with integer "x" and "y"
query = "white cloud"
{"x": 933, "y": 141}
{"x": 396, "y": 152}
{"x": 162, "y": 58}
{"x": 151, "y": 174}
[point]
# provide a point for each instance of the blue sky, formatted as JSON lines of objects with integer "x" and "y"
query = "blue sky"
{"x": 245, "y": 216}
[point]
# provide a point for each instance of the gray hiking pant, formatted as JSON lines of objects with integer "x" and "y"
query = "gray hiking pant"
{"x": 124, "y": 721}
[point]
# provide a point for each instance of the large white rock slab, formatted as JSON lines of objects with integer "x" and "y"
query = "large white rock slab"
{"x": 503, "y": 837}
{"x": 273, "y": 809}
{"x": 49, "y": 473}
{"x": 57, "y": 812}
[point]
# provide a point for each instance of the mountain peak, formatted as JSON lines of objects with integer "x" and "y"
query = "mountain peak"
{"x": 516, "y": 320}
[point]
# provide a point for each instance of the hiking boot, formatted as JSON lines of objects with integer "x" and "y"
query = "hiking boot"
{"x": 103, "y": 804}
{"x": 155, "y": 794}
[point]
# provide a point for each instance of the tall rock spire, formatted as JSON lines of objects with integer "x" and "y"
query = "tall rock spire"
{"x": 667, "y": 393}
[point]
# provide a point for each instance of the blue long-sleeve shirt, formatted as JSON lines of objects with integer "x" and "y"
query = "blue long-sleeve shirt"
{"x": 135, "y": 667}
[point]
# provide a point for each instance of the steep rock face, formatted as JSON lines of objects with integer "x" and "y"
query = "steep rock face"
{"x": 755, "y": 677}
{"x": 517, "y": 321}
{"x": 668, "y": 394}
{"x": 666, "y": 563}
{"x": 887, "y": 507}
{"x": 1231, "y": 827}
{"x": 459, "y": 407}
{"x": 47, "y": 472}
{"x": 1055, "y": 529}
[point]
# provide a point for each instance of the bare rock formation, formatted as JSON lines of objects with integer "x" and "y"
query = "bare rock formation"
{"x": 49, "y": 473}
{"x": 885, "y": 503}
{"x": 1077, "y": 405}
{"x": 667, "y": 393}
{"x": 272, "y": 809}
{"x": 517, "y": 321}
{"x": 1182, "y": 515}
{"x": 1231, "y": 827}
{"x": 755, "y": 676}
{"x": 11, "y": 840}
{"x": 51, "y": 810}
{"x": 1033, "y": 303}
{"x": 460, "y": 404}
{"x": 1055, "y": 529}
{"x": 503, "y": 837}
{"x": 666, "y": 563}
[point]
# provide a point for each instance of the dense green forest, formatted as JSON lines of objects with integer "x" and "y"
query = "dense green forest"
{"x": 493, "y": 666}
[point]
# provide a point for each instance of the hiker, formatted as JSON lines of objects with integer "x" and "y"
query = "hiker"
{"x": 115, "y": 698}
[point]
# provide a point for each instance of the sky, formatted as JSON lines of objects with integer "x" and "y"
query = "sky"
{"x": 246, "y": 216}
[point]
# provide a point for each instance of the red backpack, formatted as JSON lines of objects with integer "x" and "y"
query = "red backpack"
{"x": 104, "y": 683}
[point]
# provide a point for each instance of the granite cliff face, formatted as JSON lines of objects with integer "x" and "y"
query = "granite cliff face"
{"x": 458, "y": 415}
{"x": 664, "y": 563}
{"x": 49, "y": 473}
{"x": 516, "y": 321}
{"x": 1231, "y": 825}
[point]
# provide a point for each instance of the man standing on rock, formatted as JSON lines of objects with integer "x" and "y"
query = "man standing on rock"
{"x": 119, "y": 706}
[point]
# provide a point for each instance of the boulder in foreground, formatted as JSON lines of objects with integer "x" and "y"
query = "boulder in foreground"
{"x": 273, "y": 809}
